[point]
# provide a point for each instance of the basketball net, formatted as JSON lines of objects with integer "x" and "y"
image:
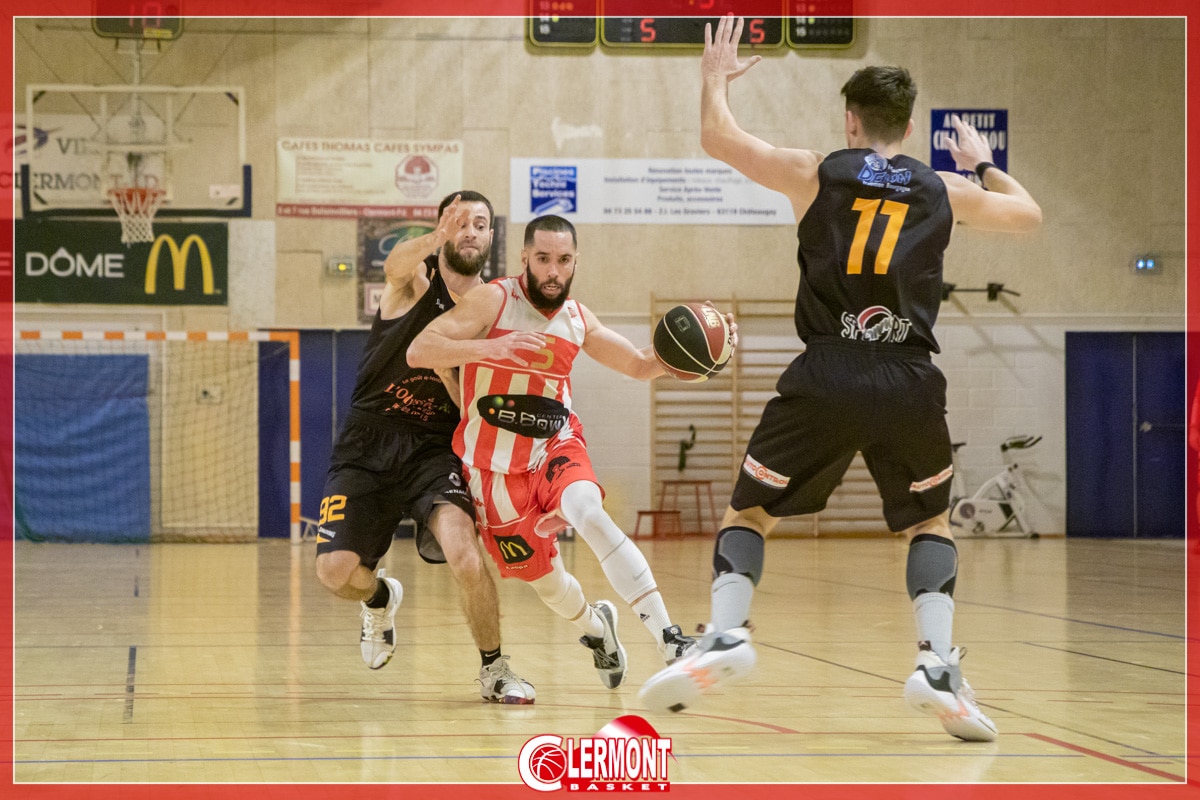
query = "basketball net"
{"x": 135, "y": 207}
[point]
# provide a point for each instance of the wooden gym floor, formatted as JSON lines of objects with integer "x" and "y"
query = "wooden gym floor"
{"x": 210, "y": 663}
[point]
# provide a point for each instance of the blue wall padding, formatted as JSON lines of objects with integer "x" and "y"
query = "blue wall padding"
{"x": 82, "y": 455}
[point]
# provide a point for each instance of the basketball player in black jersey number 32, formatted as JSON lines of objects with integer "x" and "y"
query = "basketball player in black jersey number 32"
{"x": 873, "y": 226}
{"x": 393, "y": 457}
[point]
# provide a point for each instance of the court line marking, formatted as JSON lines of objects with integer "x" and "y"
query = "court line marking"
{"x": 360, "y": 757}
{"x": 767, "y": 725}
{"x": 1181, "y": 636}
{"x": 394, "y": 736}
{"x": 1105, "y": 757}
{"x": 130, "y": 682}
{"x": 993, "y": 706}
{"x": 975, "y": 603}
{"x": 1114, "y": 660}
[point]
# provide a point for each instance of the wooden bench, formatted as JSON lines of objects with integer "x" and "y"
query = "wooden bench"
{"x": 662, "y": 523}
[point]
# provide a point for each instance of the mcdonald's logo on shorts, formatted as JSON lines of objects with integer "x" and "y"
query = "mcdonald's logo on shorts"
{"x": 513, "y": 549}
{"x": 179, "y": 262}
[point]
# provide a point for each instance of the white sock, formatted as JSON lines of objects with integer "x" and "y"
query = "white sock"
{"x": 653, "y": 613}
{"x": 935, "y": 621}
{"x": 590, "y": 623}
{"x": 731, "y": 596}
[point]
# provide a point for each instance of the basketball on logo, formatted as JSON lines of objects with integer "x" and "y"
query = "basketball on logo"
{"x": 542, "y": 763}
{"x": 548, "y": 763}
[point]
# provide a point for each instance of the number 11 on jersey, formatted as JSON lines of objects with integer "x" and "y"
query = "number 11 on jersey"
{"x": 867, "y": 209}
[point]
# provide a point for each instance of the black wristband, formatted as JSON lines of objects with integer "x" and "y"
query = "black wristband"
{"x": 982, "y": 167}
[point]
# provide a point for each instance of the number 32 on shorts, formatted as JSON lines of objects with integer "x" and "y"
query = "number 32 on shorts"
{"x": 331, "y": 508}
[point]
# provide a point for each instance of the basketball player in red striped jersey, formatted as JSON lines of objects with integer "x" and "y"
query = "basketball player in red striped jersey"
{"x": 522, "y": 446}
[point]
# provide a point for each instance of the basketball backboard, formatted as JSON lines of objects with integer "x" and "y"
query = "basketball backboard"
{"x": 81, "y": 141}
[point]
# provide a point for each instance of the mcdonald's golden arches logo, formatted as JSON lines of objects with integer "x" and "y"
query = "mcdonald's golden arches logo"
{"x": 513, "y": 549}
{"x": 179, "y": 262}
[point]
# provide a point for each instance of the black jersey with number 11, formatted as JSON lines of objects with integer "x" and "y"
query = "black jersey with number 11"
{"x": 871, "y": 250}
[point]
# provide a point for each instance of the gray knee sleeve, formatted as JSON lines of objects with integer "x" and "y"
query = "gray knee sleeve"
{"x": 740, "y": 551}
{"x": 932, "y": 565}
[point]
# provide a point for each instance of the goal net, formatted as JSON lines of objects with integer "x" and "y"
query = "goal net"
{"x": 156, "y": 436}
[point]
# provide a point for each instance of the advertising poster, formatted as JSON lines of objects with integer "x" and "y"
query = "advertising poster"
{"x": 363, "y": 177}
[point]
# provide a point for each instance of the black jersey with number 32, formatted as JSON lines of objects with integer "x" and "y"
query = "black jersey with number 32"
{"x": 871, "y": 250}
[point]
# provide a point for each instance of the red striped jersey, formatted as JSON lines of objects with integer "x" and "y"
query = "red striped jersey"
{"x": 511, "y": 412}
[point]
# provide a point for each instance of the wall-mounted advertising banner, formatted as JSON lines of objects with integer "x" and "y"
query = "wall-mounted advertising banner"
{"x": 70, "y": 165}
{"x": 187, "y": 264}
{"x": 679, "y": 191}
{"x": 991, "y": 122}
{"x": 364, "y": 177}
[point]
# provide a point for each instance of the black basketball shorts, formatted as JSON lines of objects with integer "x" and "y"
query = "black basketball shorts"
{"x": 838, "y": 398}
{"x": 378, "y": 477}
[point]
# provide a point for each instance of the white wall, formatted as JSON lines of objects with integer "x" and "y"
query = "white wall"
{"x": 1005, "y": 377}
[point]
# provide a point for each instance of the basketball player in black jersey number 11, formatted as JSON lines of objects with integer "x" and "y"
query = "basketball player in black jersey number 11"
{"x": 393, "y": 457}
{"x": 873, "y": 226}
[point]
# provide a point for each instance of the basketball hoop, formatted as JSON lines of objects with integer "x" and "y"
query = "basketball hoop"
{"x": 135, "y": 207}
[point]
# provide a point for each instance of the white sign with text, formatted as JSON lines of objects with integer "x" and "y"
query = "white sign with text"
{"x": 363, "y": 177}
{"x": 682, "y": 191}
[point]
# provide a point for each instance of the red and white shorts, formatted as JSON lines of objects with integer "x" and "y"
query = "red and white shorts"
{"x": 512, "y": 509}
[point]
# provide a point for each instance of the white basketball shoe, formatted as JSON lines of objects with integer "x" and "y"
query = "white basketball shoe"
{"x": 608, "y": 654}
{"x": 499, "y": 684}
{"x": 937, "y": 687}
{"x": 718, "y": 660}
{"x": 675, "y": 645}
{"x": 378, "y": 641}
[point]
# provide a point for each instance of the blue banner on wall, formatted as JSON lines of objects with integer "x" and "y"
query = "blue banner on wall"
{"x": 82, "y": 454}
{"x": 274, "y": 440}
{"x": 991, "y": 122}
{"x": 553, "y": 190}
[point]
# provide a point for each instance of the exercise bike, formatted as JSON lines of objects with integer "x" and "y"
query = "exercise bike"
{"x": 998, "y": 507}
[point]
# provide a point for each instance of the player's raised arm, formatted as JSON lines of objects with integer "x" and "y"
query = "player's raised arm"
{"x": 404, "y": 268}
{"x": 1005, "y": 207}
{"x": 789, "y": 171}
{"x": 456, "y": 337}
{"x": 405, "y": 259}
